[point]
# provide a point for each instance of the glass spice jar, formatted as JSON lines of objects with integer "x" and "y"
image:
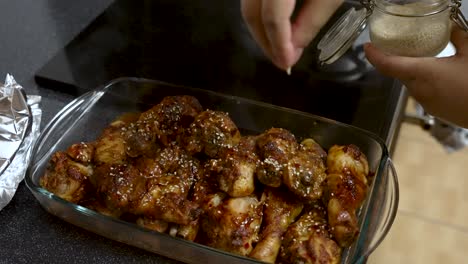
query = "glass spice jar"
{"x": 410, "y": 28}
{"x": 416, "y": 28}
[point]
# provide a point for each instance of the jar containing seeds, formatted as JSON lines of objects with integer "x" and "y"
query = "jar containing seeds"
{"x": 415, "y": 28}
{"x": 410, "y": 28}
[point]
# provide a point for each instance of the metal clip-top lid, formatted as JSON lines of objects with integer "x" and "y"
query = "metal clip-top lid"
{"x": 457, "y": 16}
{"x": 342, "y": 35}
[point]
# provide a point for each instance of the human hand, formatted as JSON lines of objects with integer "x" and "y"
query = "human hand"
{"x": 282, "y": 41}
{"x": 440, "y": 85}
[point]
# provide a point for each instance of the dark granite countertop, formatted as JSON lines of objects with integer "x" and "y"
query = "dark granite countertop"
{"x": 32, "y": 33}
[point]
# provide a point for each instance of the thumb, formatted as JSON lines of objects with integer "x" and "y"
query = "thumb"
{"x": 403, "y": 68}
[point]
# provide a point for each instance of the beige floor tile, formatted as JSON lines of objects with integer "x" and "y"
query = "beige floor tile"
{"x": 433, "y": 183}
{"x": 420, "y": 241}
{"x": 431, "y": 224}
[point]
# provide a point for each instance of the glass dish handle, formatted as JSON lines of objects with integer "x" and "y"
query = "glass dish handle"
{"x": 389, "y": 206}
{"x": 79, "y": 105}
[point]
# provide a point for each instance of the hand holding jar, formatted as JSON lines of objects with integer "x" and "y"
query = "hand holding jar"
{"x": 405, "y": 38}
{"x": 440, "y": 85}
{"x": 416, "y": 28}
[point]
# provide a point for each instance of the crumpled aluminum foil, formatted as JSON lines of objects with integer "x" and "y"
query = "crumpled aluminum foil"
{"x": 20, "y": 118}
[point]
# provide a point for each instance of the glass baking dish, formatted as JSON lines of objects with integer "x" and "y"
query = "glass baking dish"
{"x": 84, "y": 119}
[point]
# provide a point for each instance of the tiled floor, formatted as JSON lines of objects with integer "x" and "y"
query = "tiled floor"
{"x": 432, "y": 221}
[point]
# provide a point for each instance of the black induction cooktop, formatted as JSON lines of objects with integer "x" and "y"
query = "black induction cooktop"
{"x": 205, "y": 44}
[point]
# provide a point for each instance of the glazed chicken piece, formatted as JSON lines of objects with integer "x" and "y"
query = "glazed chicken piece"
{"x": 153, "y": 224}
{"x": 231, "y": 224}
{"x": 110, "y": 146}
{"x": 346, "y": 190}
{"x": 314, "y": 148}
{"x": 279, "y": 211}
{"x": 204, "y": 193}
{"x": 119, "y": 186}
{"x": 99, "y": 206}
{"x": 188, "y": 232}
{"x": 235, "y": 171}
{"x": 166, "y": 197}
{"x": 81, "y": 152}
{"x": 213, "y": 133}
{"x": 305, "y": 172}
{"x": 206, "y": 186}
{"x": 275, "y": 146}
{"x": 161, "y": 125}
{"x": 232, "y": 174}
{"x": 308, "y": 240}
{"x": 165, "y": 200}
{"x": 156, "y": 188}
{"x": 68, "y": 173}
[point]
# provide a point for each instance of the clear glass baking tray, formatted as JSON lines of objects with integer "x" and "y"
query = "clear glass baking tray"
{"x": 84, "y": 118}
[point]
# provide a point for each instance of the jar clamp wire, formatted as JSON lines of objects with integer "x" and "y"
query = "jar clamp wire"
{"x": 457, "y": 16}
{"x": 342, "y": 34}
